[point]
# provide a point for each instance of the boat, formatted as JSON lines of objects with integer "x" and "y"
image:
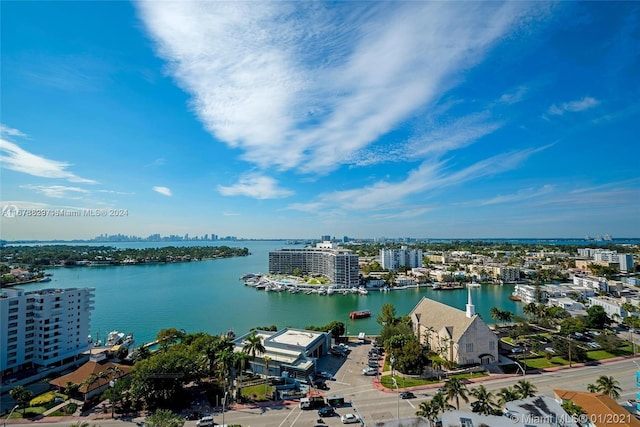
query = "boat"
{"x": 114, "y": 338}
{"x": 362, "y": 290}
{"x": 473, "y": 285}
{"x": 360, "y": 314}
{"x": 435, "y": 286}
{"x": 331, "y": 290}
{"x": 44, "y": 279}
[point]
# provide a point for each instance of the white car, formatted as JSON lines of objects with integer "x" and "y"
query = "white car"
{"x": 349, "y": 419}
{"x": 370, "y": 371}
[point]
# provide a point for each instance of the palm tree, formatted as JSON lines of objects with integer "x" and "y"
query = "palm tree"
{"x": 530, "y": 309}
{"x": 428, "y": 411}
{"x": 455, "y": 389}
{"x": 507, "y": 394}
{"x": 609, "y": 386}
{"x": 436, "y": 365}
{"x": 253, "y": 345}
{"x": 592, "y": 388}
{"x": 495, "y": 313}
{"x": 266, "y": 359}
{"x": 525, "y": 389}
{"x": 484, "y": 403}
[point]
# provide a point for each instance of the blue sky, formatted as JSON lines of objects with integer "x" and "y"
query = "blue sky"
{"x": 365, "y": 119}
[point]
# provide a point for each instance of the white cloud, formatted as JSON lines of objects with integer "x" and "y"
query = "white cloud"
{"x": 162, "y": 190}
{"x": 305, "y": 85}
{"x": 6, "y": 130}
{"x": 524, "y": 194}
{"x": 19, "y": 160}
{"x": 429, "y": 176}
{"x": 573, "y": 106}
{"x": 256, "y": 186}
{"x": 58, "y": 191}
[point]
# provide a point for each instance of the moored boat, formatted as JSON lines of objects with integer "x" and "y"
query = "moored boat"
{"x": 360, "y": 314}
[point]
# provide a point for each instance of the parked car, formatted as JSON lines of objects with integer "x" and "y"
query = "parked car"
{"x": 407, "y": 395}
{"x": 517, "y": 350}
{"x": 324, "y": 374}
{"x": 370, "y": 371}
{"x": 373, "y": 364}
{"x": 326, "y": 411}
{"x": 593, "y": 345}
{"x": 349, "y": 419}
{"x": 374, "y": 357}
{"x": 549, "y": 349}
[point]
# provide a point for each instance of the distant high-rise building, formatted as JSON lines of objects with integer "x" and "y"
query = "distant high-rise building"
{"x": 393, "y": 259}
{"x": 43, "y": 328}
{"x": 326, "y": 238}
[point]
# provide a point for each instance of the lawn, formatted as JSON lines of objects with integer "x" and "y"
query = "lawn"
{"x": 386, "y": 381}
{"x": 543, "y": 362}
{"x": 257, "y": 393}
{"x": 603, "y": 354}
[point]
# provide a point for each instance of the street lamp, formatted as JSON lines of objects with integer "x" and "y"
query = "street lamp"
{"x": 395, "y": 383}
{"x": 112, "y": 384}
{"x": 224, "y": 400}
{"x": 9, "y": 416}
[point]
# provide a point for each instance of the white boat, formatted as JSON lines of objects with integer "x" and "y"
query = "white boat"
{"x": 322, "y": 290}
{"x": 331, "y": 290}
{"x": 362, "y": 290}
{"x": 114, "y": 338}
{"x": 435, "y": 286}
{"x": 473, "y": 285}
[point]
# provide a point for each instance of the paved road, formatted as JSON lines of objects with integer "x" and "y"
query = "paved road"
{"x": 375, "y": 405}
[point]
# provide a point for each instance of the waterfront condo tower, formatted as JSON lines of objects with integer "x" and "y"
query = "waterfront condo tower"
{"x": 45, "y": 328}
{"x": 339, "y": 266}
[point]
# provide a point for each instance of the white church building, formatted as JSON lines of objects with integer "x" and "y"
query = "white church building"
{"x": 459, "y": 336}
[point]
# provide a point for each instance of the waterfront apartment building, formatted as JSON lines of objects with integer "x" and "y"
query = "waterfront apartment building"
{"x": 393, "y": 259}
{"x": 340, "y": 266}
{"x": 45, "y": 328}
{"x": 599, "y": 284}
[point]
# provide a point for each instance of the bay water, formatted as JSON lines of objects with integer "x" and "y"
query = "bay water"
{"x": 209, "y": 296}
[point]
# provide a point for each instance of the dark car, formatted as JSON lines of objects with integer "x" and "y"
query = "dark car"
{"x": 407, "y": 395}
{"x": 326, "y": 411}
{"x": 373, "y": 364}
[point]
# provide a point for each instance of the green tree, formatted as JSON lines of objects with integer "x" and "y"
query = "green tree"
{"x": 21, "y": 395}
{"x": 507, "y": 394}
{"x": 168, "y": 337}
{"x": 525, "y": 389}
{"x": 572, "y": 409}
{"x": 596, "y": 317}
{"x": 609, "y": 386}
{"x": 455, "y": 389}
{"x": 484, "y": 403}
{"x": 253, "y": 346}
{"x": 387, "y": 315}
{"x": 164, "y": 418}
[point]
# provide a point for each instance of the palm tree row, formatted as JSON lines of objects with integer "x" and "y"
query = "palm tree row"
{"x": 606, "y": 385}
{"x": 485, "y": 401}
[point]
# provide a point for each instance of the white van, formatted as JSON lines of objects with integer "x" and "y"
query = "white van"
{"x": 305, "y": 403}
{"x": 205, "y": 421}
{"x": 361, "y": 338}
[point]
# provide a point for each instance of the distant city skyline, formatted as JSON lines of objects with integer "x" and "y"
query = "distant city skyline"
{"x": 292, "y": 119}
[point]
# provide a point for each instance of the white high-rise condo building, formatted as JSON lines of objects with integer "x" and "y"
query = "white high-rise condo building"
{"x": 44, "y": 328}
{"x": 340, "y": 266}
{"x": 393, "y": 259}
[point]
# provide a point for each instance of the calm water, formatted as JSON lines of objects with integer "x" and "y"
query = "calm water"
{"x": 209, "y": 296}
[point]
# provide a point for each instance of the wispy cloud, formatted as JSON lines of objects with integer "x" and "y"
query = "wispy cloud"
{"x": 304, "y": 86}
{"x": 20, "y": 160}
{"x": 429, "y": 176}
{"x": 6, "y": 130}
{"x": 162, "y": 190}
{"x": 58, "y": 191}
{"x": 573, "y": 106}
{"x": 256, "y": 186}
{"x": 521, "y": 195}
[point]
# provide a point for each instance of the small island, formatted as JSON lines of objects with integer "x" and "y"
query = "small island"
{"x": 24, "y": 264}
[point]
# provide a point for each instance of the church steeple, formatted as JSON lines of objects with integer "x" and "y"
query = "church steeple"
{"x": 471, "y": 309}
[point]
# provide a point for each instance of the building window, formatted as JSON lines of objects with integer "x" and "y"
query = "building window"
{"x": 469, "y": 347}
{"x": 492, "y": 345}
